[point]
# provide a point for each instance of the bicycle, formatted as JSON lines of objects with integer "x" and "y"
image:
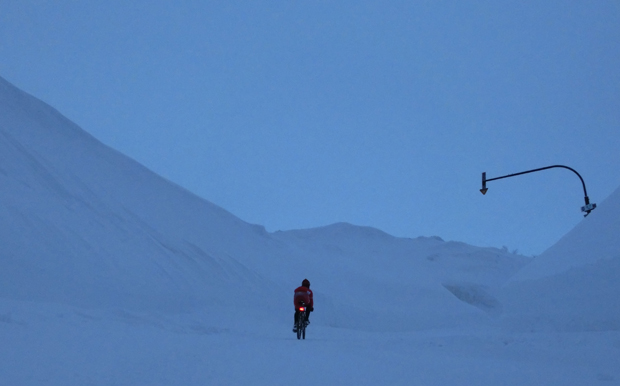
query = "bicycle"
{"x": 300, "y": 321}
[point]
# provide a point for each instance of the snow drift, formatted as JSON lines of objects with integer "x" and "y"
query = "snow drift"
{"x": 574, "y": 284}
{"x": 82, "y": 224}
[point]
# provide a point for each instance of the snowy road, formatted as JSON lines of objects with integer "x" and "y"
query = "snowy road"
{"x": 58, "y": 345}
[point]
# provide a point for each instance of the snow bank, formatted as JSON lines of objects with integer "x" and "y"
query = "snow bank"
{"x": 81, "y": 224}
{"x": 573, "y": 285}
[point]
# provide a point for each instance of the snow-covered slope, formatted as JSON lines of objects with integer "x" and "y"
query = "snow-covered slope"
{"x": 83, "y": 225}
{"x": 574, "y": 284}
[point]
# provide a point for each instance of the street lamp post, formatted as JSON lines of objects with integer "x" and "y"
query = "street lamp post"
{"x": 587, "y": 208}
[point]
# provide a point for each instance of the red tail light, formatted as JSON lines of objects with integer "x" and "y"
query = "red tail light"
{"x": 302, "y": 309}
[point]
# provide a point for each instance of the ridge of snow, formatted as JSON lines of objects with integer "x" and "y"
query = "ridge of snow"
{"x": 573, "y": 285}
{"x": 594, "y": 238}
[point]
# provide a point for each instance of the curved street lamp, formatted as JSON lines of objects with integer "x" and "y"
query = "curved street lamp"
{"x": 587, "y": 208}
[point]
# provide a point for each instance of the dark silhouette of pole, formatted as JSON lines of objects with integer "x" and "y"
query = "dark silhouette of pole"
{"x": 587, "y": 208}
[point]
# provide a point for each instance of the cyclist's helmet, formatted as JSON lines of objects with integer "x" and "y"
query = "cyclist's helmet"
{"x": 305, "y": 283}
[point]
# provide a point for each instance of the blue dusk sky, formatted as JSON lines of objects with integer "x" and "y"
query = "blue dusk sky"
{"x": 297, "y": 114}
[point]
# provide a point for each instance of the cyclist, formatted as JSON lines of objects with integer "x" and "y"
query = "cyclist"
{"x": 303, "y": 297}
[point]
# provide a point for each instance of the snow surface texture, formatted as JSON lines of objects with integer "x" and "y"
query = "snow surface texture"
{"x": 112, "y": 275}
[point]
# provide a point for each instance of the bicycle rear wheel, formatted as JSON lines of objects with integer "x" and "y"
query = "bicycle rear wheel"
{"x": 298, "y": 324}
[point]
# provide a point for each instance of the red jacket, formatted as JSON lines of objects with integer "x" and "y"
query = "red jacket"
{"x": 303, "y": 294}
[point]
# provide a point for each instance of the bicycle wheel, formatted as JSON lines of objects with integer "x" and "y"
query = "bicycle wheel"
{"x": 304, "y": 324}
{"x": 298, "y": 324}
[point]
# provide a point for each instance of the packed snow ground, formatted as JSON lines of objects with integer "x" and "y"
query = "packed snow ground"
{"x": 111, "y": 275}
{"x": 57, "y": 345}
